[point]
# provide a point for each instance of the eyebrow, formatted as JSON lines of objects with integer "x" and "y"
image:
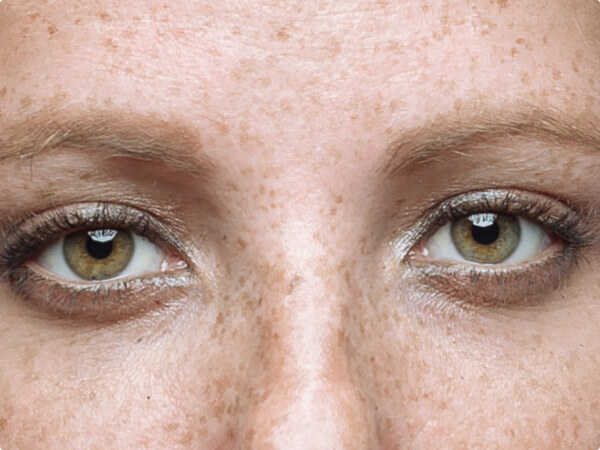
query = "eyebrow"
{"x": 443, "y": 138}
{"x": 174, "y": 144}
{"x": 142, "y": 137}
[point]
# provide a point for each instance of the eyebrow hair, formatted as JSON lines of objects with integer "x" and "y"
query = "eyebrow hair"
{"x": 149, "y": 138}
{"x": 441, "y": 138}
{"x": 117, "y": 134}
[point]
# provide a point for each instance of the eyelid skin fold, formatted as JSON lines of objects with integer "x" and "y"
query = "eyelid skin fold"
{"x": 497, "y": 285}
{"x": 563, "y": 220}
{"x": 106, "y": 300}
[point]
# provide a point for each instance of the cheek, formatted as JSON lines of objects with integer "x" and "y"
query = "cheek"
{"x": 538, "y": 389}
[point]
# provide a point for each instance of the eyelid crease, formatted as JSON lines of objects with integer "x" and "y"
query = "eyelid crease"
{"x": 562, "y": 219}
{"x": 110, "y": 300}
{"x": 23, "y": 237}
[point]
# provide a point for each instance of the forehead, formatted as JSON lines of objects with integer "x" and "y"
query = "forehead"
{"x": 412, "y": 57}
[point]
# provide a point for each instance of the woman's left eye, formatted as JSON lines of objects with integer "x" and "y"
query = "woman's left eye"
{"x": 488, "y": 238}
{"x": 101, "y": 254}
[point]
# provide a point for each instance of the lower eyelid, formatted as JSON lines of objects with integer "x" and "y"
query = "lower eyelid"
{"x": 103, "y": 302}
{"x": 127, "y": 296}
{"x": 487, "y": 286}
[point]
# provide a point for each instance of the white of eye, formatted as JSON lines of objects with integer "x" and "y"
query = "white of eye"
{"x": 533, "y": 240}
{"x": 147, "y": 258}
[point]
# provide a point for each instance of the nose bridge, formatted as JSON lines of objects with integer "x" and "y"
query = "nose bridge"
{"x": 310, "y": 398}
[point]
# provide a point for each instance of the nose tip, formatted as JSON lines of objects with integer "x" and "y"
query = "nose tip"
{"x": 309, "y": 414}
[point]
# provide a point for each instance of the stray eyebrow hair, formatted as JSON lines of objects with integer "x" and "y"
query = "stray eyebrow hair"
{"x": 117, "y": 134}
{"x": 443, "y": 138}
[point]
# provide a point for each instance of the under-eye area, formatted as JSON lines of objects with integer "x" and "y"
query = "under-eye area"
{"x": 106, "y": 261}
{"x": 496, "y": 247}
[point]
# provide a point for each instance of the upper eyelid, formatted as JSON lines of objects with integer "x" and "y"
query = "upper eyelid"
{"x": 563, "y": 219}
{"x": 21, "y": 236}
{"x": 65, "y": 298}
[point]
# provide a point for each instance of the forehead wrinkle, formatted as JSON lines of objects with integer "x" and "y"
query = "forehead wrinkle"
{"x": 444, "y": 137}
{"x": 141, "y": 137}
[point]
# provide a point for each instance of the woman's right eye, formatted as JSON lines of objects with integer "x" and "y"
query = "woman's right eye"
{"x": 102, "y": 254}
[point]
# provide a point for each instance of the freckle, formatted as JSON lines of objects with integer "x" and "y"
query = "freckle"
{"x": 3, "y": 92}
{"x": 425, "y": 8}
{"x": 110, "y": 43}
{"x": 503, "y": 4}
{"x": 545, "y": 40}
{"x": 282, "y": 34}
{"x": 52, "y": 29}
{"x": 525, "y": 78}
{"x": 26, "y": 101}
{"x": 105, "y": 17}
{"x": 575, "y": 67}
{"x": 556, "y": 74}
{"x": 339, "y": 199}
{"x": 170, "y": 427}
{"x": 241, "y": 243}
{"x": 77, "y": 21}
{"x": 520, "y": 41}
{"x": 223, "y": 128}
{"x": 514, "y": 51}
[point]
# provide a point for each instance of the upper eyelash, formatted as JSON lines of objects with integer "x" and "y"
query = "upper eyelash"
{"x": 563, "y": 220}
{"x": 21, "y": 239}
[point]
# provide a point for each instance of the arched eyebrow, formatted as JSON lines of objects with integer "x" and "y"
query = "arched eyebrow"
{"x": 446, "y": 137}
{"x": 117, "y": 134}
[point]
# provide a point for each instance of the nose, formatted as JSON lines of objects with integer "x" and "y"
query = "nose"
{"x": 307, "y": 396}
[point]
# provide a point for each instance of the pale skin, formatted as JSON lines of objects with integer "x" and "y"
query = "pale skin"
{"x": 303, "y": 326}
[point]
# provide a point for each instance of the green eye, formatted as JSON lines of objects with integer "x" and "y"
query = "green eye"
{"x": 486, "y": 238}
{"x": 98, "y": 254}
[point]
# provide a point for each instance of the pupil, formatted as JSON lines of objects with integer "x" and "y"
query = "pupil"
{"x": 485, "y": 235}
{"x": 98, "y": 250}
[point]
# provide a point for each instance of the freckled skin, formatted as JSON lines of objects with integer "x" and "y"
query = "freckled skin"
{"x": 302, "y": 334}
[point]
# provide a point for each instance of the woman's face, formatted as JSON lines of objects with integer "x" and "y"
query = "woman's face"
{"x": 326, "y": 224}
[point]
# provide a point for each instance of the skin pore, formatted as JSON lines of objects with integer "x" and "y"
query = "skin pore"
{"x": 294, "y": 156}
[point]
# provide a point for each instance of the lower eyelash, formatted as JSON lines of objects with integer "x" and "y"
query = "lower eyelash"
{"x": 102, "y": 302}
{"x": 473, "y": 285}
{"x": 484, "y": 286}
{"x": 107, "y": 300}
